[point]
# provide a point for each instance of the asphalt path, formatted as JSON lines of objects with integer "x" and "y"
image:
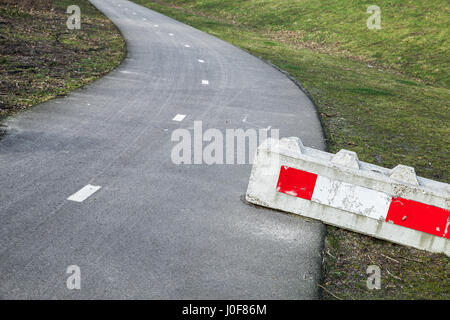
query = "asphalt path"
{"x": 155, "y": 229}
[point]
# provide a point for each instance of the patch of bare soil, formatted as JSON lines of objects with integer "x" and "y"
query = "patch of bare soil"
{"x": 41, "y": 58}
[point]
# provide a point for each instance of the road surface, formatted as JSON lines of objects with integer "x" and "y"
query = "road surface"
{"x": 155, "y": 229}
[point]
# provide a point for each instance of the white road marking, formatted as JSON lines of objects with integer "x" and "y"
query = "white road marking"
{"x": 171, "y": 34}
{"x": 187, "y": 46}
{"x": 122, "y": 79}
{"x": 201, "y": 61}
{"x": 179, "y": 117}
{"x": 144, "y": 19}
{"x": 128, "y": 72}
{"x": 254, "y": 124}
{"x": 205, "y": 82}
{"x": 134, "y": 13}
{"x": 155, "y": 25}
{"x": 84, "y": 193}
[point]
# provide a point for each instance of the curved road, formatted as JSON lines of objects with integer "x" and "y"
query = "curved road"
{"x": 155, "y": 230}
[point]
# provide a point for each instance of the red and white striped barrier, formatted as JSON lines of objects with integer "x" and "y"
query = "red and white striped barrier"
{"x": 361, "y": 200}
{"x": 339, "y": 189}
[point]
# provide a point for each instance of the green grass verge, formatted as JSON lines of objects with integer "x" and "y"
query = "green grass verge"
{"x": 382, "y": 93}
{"x": 41, "y": 59}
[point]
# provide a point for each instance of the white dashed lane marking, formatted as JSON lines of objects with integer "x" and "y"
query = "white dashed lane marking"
{"x": 128, "y": 72}
{"x": 205, "y": 82}
{"x": 84, "y": 193}
{"x": 179, "y": 117}
{"x": 201, "y": 61}
{"x": 171, "y": 34}
{"x": 187, "y": 46}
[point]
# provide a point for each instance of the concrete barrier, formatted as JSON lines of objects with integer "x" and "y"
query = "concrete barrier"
{"x": 338, "y": 189}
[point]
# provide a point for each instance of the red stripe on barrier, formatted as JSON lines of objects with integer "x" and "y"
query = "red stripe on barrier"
{"x": 419, "y": 216}
{"x": 296, "y": 182}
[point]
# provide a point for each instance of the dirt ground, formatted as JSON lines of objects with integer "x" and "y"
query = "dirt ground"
{"x": 40, "y": 58}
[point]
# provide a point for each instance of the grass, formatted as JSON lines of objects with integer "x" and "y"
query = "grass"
{"x": 41, "y": 59}
{"x": 413, "y": 30}
{"x": 382, "y": 93}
